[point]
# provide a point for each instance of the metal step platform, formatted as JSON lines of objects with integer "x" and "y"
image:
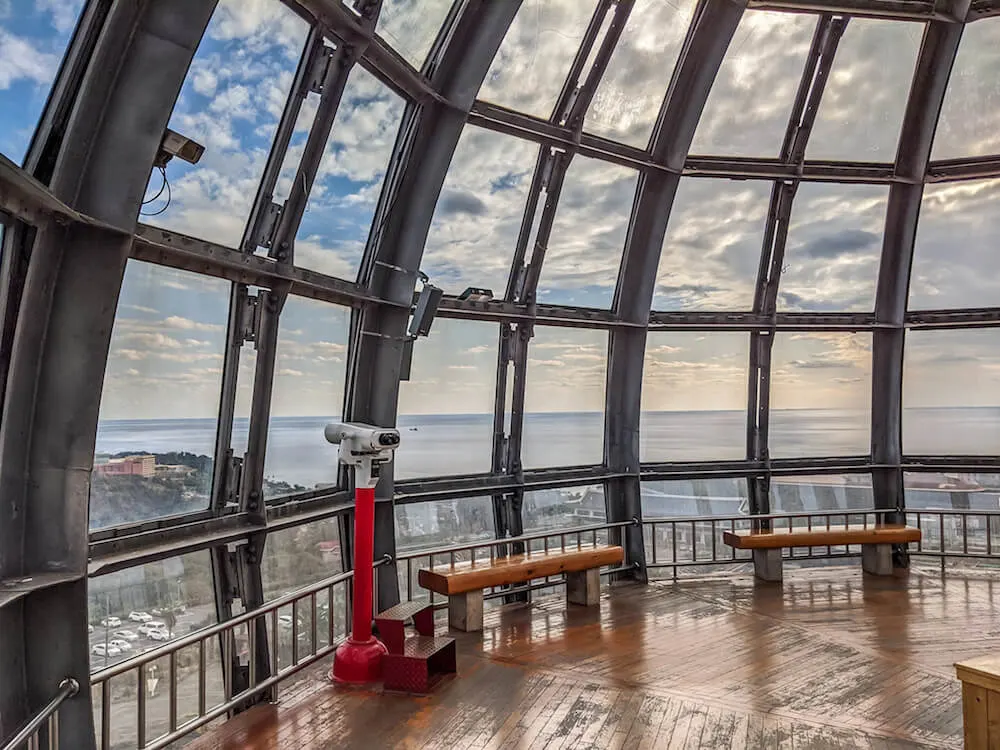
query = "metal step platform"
{"x": 415, "y": 663}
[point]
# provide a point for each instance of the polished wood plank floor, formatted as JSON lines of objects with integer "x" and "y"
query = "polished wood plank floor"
{"x": 831, "y": 659}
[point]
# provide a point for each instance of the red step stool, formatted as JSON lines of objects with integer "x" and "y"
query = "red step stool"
{"x": 414, "y": 663}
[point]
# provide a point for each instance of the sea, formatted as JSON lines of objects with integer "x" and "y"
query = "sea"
{"x": 434, "y": 445}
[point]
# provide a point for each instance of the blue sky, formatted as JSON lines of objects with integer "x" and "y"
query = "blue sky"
{"x": 166, "y": 352}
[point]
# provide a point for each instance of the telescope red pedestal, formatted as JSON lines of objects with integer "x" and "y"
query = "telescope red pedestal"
{"x": 359, "y": 659}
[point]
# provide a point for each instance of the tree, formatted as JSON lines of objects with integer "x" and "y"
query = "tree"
{"x": 170, "y": 620}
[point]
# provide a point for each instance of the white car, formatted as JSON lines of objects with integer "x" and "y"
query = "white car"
{"x": 90, "y": 629}
{"x": 285, "y": 621}
{"x": 158, "y": 635}
{"x": 140, "y": 616}
{"x": 120, "y": 644}
{"x": 111, "y": 622}
{"x": 149, "y": 627}
{"x": 125, "y": 635}
{"x": 100, "y": 649}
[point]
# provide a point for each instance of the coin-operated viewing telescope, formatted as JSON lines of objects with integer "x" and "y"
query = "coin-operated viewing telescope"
{"x": 365, "y": 448}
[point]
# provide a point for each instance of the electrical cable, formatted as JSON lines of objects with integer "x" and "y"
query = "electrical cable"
{"x": 164, "y": 186}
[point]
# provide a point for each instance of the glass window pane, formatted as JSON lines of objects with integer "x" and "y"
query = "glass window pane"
{"x": 711, "y": 250}
{"x": 724, "y": 496}
{"x": 450, "y": 392}
{"x": 173, "y": 596}
{"x": 308, "y": 393}
{"x": 629, "y": 96}
{"x": 751, "y": 100}
{"x": 439, "y": 523}
{"x": 410, "y": 26}
{"x": 531, "y": 65}
{"x": 955, "y": 248}
{"x": 833, "y": 249}
{"x": 588, "y": 235}
{"x": 159, "y": 407}
{"x": 865, "y": 97}
{"x": 821, "y": 394}
{"x": 230, "y": 103}
{"x": 950, "y": 384}
{"x": 953, "y": 491}
{"x": 338, "y": 217}
{"x": 805, "y": 494}
{"x": 34, "y": 36}
{"x": 563, "y": 508}
{"x": 564, "y": 398}
{"x": 300, "y": 556}
{"x": 478, "y": 216}
{"x": 968, "y": 125}
{"x": 694, "y": 396}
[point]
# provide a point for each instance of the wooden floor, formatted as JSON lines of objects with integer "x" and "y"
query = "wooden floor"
{"x": 831, "y": 659}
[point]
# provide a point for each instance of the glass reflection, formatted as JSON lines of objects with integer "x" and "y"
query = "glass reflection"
{"x": 300, "y": 556}
{"x": 564, "y": 398}
{"x": 410, "y": 26}
{"x": 563, "y": 508}
{"x": 694, "y": 394}
{"x": 439, "y": 523}
{"x": 834, "y": 492}
{"x": 629, "y": 96}
{"x": 159, "y": 407}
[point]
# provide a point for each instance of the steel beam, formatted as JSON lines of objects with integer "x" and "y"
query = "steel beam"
{"x": 819, "y": 62}
{"x": 708, "y": 38}
{"x": 527, "y": 127}
{"x": 956, "y": 170}
{"x": 934, "y": 65}
{"x": 902, "y": 10}
{"x": 61, "y": 344}
{"x": 424, "y": 147}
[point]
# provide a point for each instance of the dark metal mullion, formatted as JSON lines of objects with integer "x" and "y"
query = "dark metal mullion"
{"x": 527, "y": 225}
{"x": 819, "y": 62}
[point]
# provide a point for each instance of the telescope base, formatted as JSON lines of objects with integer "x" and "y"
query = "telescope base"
{"x": 358, "y": 662}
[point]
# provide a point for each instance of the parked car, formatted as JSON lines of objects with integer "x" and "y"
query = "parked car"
{"x": 158, "y": 635}
{"x": 111, "y": 622}
{"x": 125, "y": 635}
{"x": 121, "y": 645}
{"x": 100, "y": 649}
{"x": 156, "y": 612}
{"x": 151, "y": 627}
{"x": 140, "y": 616}
{"x": 90, "y": 628}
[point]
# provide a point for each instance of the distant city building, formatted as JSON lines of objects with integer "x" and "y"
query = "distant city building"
{"x": 138, "y": 466}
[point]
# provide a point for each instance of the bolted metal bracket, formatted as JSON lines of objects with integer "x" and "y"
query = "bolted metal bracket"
{"x": 266, "y": 226}
{"x": 249, "y": 318}
{"x": 234, "y": 476}
{"x": 319, "y": 66}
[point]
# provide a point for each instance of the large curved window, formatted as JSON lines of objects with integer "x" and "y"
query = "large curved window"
{"x": 712, "y": 246}
{"x": 820, "y": 394}
{"x": 450, "y": 392}
{"x": 230, "y": 103}
{"x": 950, "y": 274}
{"x": 950, "y": 386}
{"x": 159, "y": 407}
{"x": 564, "y": 398}
{"x": 694, "y": 396}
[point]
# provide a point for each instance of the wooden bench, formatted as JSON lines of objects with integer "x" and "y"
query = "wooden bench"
{"x": 876, "y": 545}
{"x": 463, "y": 583}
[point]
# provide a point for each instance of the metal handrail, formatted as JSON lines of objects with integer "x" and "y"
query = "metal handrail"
{"x": 67, "y": 689}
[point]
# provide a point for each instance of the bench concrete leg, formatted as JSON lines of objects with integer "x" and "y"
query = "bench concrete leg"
{"x": 767, "y": 564}
{"x": 876, "y": 559}
{"x": 465, "y": 611}
{"x": 584, "y": 587}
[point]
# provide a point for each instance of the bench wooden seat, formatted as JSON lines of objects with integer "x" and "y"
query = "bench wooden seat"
{"x": 463, "y": 583}
{"x": 876, "y": 544}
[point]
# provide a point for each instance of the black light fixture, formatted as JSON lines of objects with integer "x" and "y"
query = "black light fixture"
{"x": 425, "y": 309}
{"x": 476, "y": 294}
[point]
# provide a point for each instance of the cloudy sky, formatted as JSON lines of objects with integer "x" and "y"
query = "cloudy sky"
{"x": 168, "y": 339}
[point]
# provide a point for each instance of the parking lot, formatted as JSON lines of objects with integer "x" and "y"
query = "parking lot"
{"x": 186, "y": 621}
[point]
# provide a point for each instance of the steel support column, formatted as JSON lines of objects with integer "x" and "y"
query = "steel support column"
{"x": 60, "y": 346}
{"x": 551, "y": 166}
{"x": 934, "y": 65}
{"x": 424, "y": 148}
{"x": 819, "y": 62}
{"x": 708, "y": 38}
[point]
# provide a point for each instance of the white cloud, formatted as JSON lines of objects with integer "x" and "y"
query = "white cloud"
{"x": 20, "y": 59}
